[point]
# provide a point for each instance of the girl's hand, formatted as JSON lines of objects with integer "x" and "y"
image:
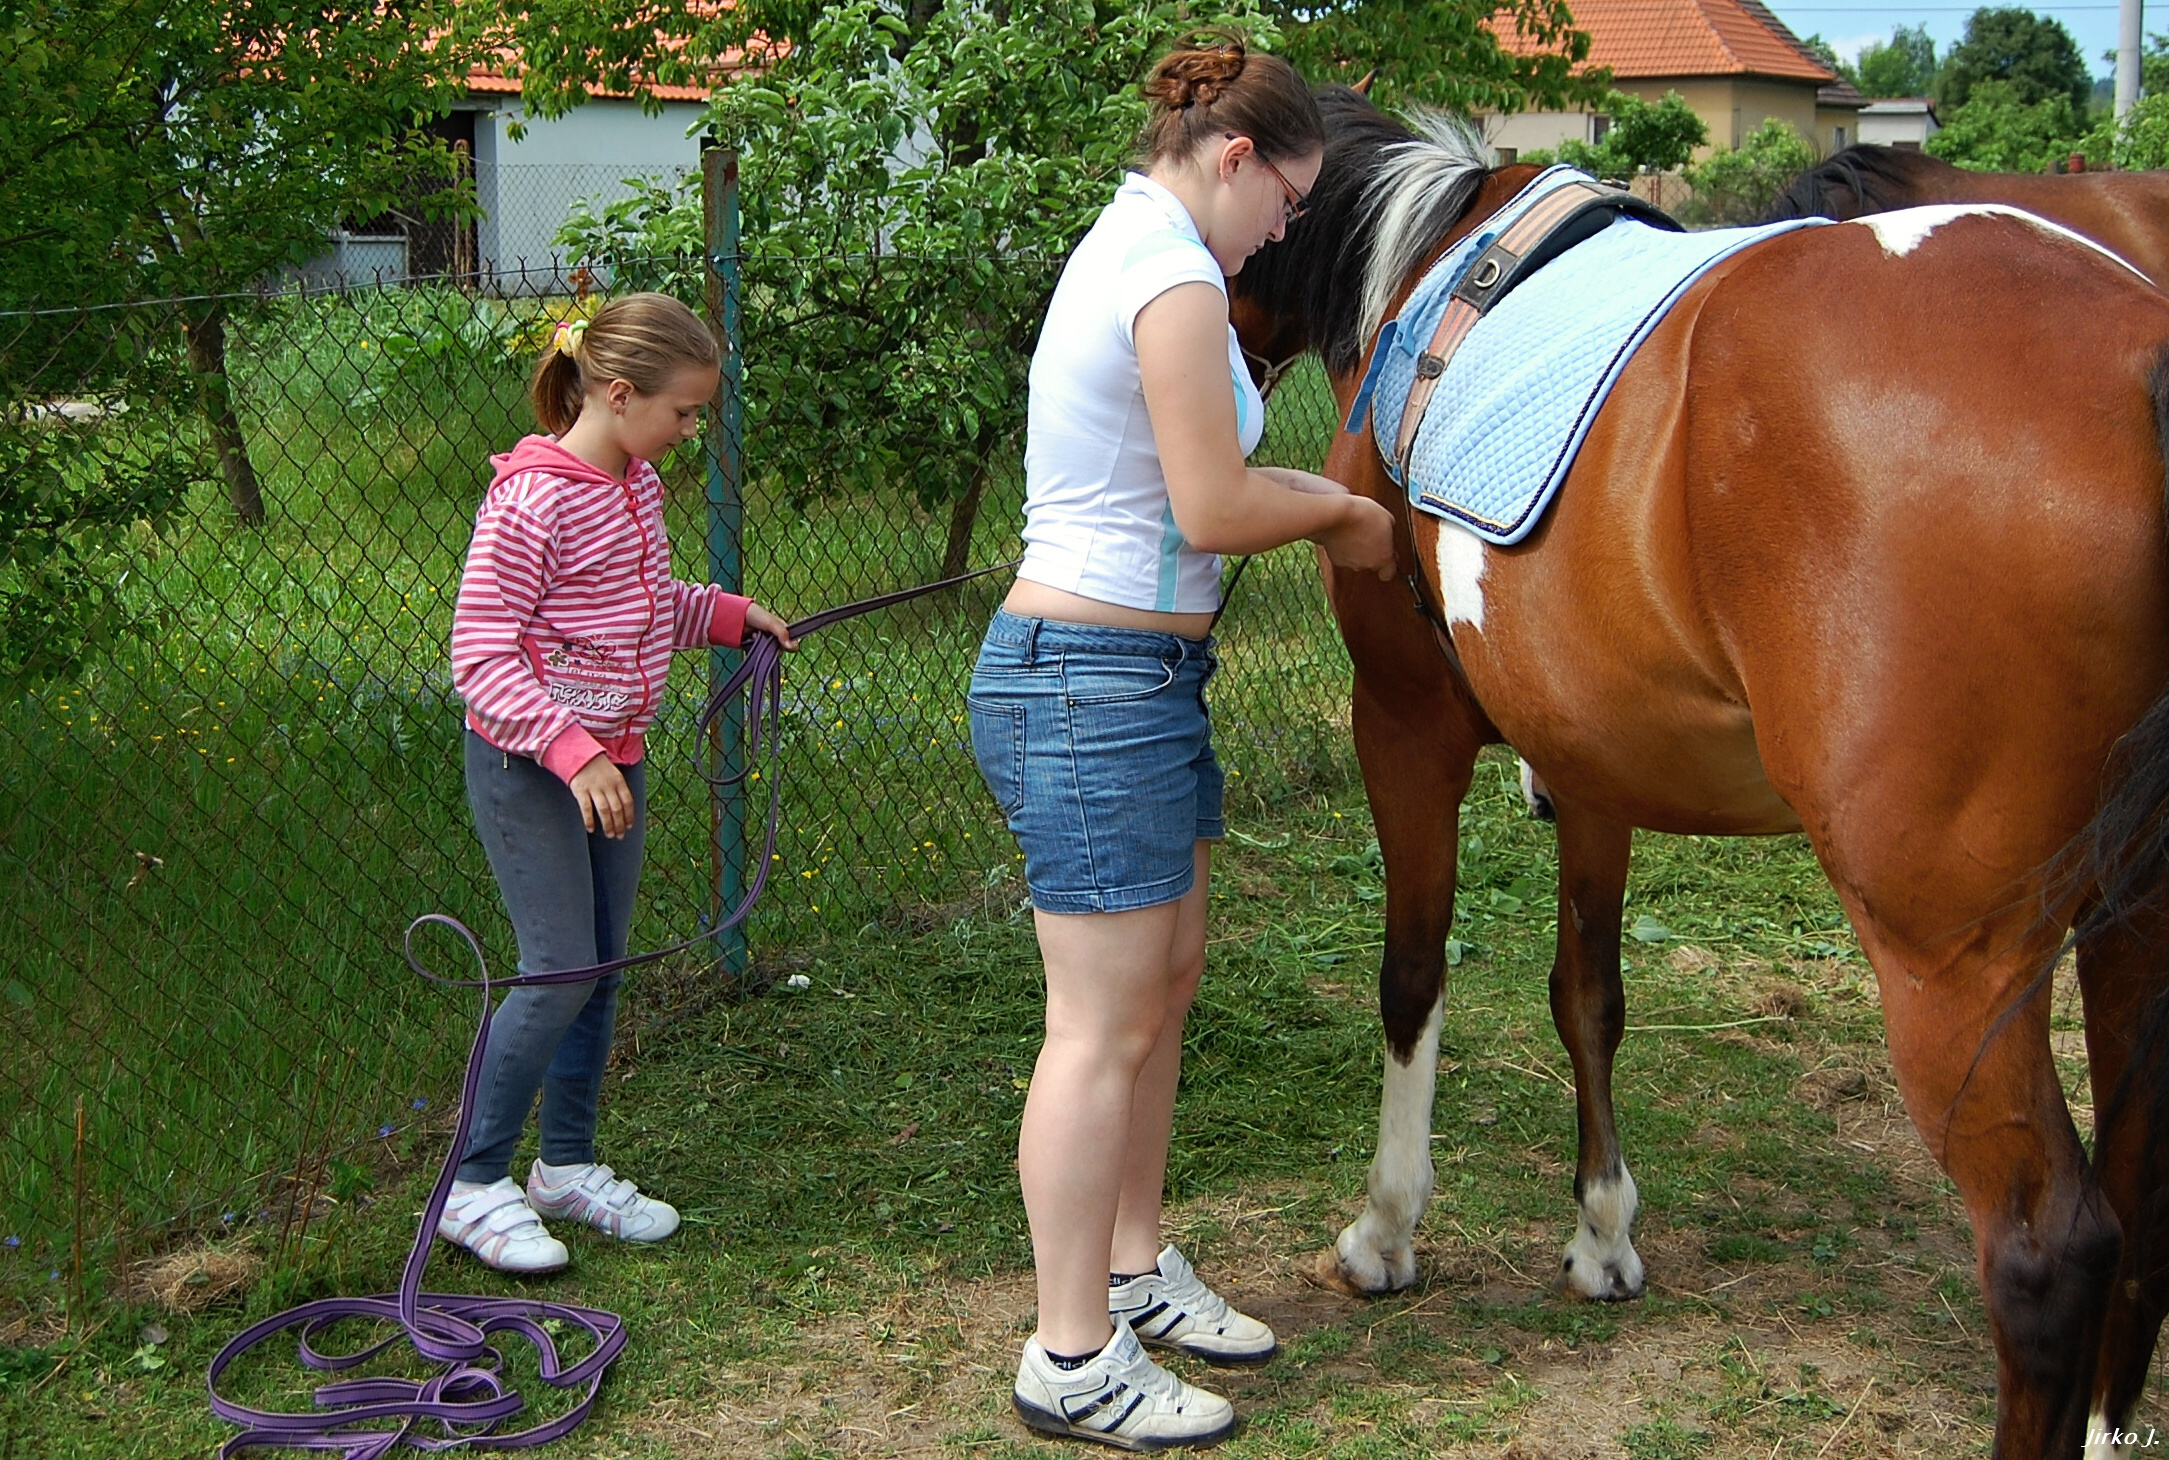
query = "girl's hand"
{"x": 760, "y": 618}
{"x": 1362, "y": 539}
{"x": 604, "y": 797}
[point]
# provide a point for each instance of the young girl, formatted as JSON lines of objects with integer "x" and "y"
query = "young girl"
{"x": 561, "y": 642}
{"x": 1088, "y": 719}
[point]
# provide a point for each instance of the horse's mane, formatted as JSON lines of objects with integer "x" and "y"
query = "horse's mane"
{"x": 1385, "y": 197}
{"x": 1864, "y": 178}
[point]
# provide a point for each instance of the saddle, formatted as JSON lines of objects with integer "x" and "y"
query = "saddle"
{"x": 1481, "y": 390}
{"x": 1575, "y": 210}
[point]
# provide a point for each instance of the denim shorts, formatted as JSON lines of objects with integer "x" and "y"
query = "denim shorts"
{"x": 1097, "y": 746}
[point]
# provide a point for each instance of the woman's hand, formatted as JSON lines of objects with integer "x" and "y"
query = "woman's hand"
{"x": 760, "y": 618}
{"x": 1362, "y": 538}
{"x": 604, "y": 798}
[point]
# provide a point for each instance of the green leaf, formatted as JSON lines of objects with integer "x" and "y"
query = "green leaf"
{"x": 1647, "y": 929}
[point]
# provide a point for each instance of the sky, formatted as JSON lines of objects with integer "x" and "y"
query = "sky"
{"x": 1850, "y": 24}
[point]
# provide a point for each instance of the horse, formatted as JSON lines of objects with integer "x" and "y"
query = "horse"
{"x": 2127, "y": 211}
{"x": 1868, "y": 541}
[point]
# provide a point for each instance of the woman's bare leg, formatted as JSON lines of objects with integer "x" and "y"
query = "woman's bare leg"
{"x": 1152, "y": 1109}
{"x": 1110, "y": 988}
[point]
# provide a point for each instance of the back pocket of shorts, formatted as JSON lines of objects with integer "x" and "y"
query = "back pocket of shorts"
{"x": 998, "y": 746}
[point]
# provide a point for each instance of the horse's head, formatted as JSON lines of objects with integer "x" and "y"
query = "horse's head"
{"x": 1388, "y": 200}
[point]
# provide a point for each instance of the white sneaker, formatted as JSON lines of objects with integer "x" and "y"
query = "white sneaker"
{"x": 1171, "y": 1308}
{"x": 495, "y": 1223}
{"x": 601, "y": 1198}
{"x": 1119, "y": 1397}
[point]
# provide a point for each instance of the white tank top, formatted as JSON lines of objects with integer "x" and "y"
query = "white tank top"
{"x": 1096, "y": 515}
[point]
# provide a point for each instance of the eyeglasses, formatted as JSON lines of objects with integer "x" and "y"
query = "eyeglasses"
{"x": 1297, "y": 206}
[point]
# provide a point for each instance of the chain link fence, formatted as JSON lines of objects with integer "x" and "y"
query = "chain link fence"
{"x": 232, "y": 753}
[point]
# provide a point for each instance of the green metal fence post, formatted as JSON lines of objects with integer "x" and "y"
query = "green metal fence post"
{"x": 726, "y": 523}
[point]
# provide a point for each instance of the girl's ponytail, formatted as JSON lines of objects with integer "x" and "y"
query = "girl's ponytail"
{"x": 556, "y": 390}
{"x": 641, "y": 338}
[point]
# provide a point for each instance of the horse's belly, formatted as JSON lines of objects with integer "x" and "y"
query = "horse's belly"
{"x": 1589, "y": 685}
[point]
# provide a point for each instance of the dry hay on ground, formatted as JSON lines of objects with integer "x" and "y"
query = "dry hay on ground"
{"x": 191, "y": 1279}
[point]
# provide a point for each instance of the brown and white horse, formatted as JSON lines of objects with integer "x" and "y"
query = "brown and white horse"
{"x": 1868, "y": 541}
{"x": 2127, "y": 211}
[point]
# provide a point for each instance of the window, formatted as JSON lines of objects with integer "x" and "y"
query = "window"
{"x": 1840, "y": 132}
{"x": 1599, "y": 127}
{"x": 1507, "y": 155}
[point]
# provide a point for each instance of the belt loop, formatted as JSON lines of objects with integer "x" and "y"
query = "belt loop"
{"x": 1031, "y": 640}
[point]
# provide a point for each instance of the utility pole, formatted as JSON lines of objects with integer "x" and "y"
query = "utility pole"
{"x": 2127, "y": 55}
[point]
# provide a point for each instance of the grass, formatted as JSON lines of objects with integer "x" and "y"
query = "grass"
{"x": 854, "y": 1274}
{"x": 220, "y": 831}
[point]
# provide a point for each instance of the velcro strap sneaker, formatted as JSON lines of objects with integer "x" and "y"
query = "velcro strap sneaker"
{"x": 495, "y": 1223}
{"x": 602, "y": 1199}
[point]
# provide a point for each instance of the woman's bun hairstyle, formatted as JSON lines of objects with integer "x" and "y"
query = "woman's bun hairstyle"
{"x": 1215, "y": 85}
{"x": 643, "y": 338}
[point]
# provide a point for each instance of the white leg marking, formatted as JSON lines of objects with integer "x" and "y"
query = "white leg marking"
{"x": 2104, "y": 1441}
{"x": 1378, "y": 1250}
{"x": 1904, "y": 230}
{"x": 1601, "y": 1261}
{"x": 1538, "y": 797}
{"x": 1461, "y": 575}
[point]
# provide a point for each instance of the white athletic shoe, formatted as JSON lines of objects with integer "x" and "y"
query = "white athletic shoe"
{"x": 1118, "y": 1397}
{"x": 1171, "y": 1308}
{"x": 495, "y": 1223}
{"x": 599, "y": 1197}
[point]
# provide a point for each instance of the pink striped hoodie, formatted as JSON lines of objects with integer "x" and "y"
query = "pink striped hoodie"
{"x": 567, "y": 612}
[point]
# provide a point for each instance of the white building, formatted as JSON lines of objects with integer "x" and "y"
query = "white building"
{"x": 525, "y": 187}
{"x": 1904, "y": 122}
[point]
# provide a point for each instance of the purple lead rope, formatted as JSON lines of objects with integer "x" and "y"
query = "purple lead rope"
{"x": 462, "y": 1405}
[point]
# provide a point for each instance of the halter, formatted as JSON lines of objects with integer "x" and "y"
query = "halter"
{"x": 1265, "y": 374}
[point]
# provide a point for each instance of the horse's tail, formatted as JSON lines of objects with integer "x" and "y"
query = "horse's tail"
{"x": 2123, "y": 855}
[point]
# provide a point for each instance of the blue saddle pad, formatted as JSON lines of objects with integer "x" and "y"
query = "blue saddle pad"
{"x": 1519, "y": 395}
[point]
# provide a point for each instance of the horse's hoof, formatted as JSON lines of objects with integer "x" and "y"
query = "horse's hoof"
{"x": 1326, "y": 1269}
{"x": 1607, "y": 1282}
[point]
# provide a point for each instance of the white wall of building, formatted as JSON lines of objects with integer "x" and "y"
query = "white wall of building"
{"x": 527, "y": 187}
{"x": 1897, "y": 123}
{"x": 1522, "y": 131}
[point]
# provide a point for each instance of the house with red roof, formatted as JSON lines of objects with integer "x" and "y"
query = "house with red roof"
{"x": 1733, "y": 62}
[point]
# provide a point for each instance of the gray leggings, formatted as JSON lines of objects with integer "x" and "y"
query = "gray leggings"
{"x": 570, "y": 894}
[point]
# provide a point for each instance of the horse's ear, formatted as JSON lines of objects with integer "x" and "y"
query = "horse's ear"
{"x": 1363, "y": 87}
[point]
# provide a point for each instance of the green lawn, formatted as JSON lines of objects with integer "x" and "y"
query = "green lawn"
{"x": 854, "y": 1275}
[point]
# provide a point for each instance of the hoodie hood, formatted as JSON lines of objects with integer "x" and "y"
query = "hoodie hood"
{"x": 542, "y": 453}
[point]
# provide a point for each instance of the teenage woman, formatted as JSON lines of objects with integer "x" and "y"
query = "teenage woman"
{"x": 1089, "y": 722}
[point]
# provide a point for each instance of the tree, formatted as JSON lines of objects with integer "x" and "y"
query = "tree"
{"x": 1438, "y": 52}
{"x": 1644, "y": 137}
{"x": 1997, "y": 130}
{"x": 188, "y": 150}
{"x": 1826, "y": 53}
{"x": 1904, "y": 67}
{"x": 2036, "y": 56}
{"x": 909, "y": 195}
{"x": 1738, "y": 184}
{"x": 1444, "y": 52}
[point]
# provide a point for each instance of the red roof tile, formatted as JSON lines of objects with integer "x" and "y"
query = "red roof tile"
{"x": 1653, "y": 39}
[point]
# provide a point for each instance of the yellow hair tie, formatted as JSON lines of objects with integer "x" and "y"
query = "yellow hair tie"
{"x": 566, "y": 340}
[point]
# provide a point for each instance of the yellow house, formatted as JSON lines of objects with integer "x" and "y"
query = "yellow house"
{"x": 1732, "y": 61}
